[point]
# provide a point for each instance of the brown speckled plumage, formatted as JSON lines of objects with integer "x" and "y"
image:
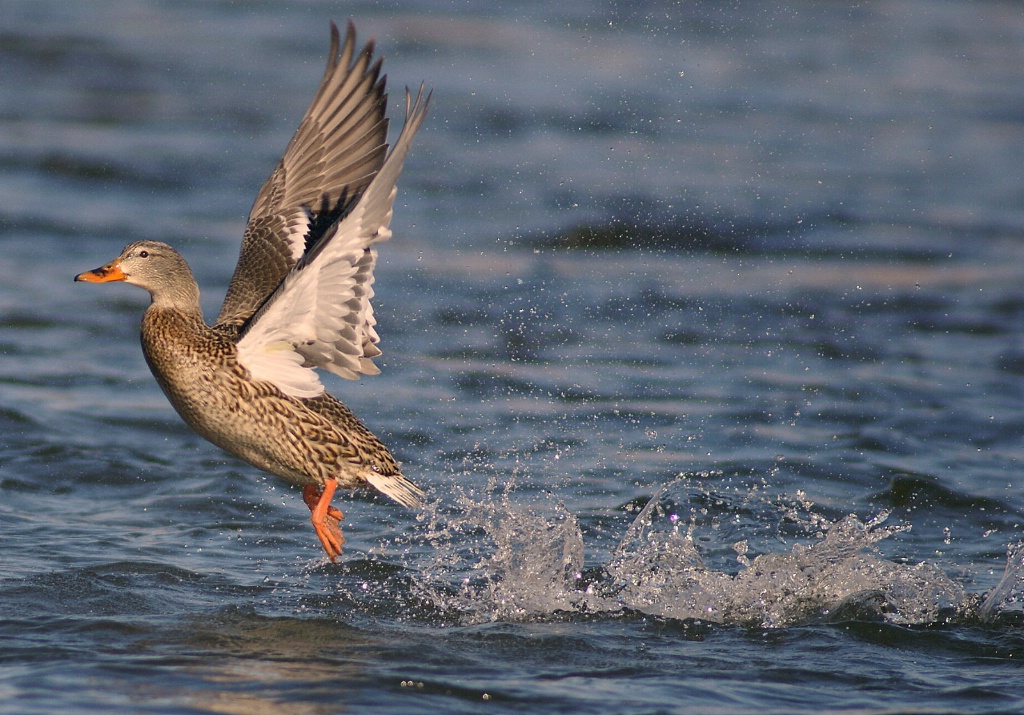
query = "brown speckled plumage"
{"x": 298, "y": 300}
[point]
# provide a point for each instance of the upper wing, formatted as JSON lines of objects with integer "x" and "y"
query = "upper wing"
{"x": 336, "y": 151}
{"x": 320, "y": 315}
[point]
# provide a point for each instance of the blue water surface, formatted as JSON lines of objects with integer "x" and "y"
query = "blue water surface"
{"x": 703, "y": 328}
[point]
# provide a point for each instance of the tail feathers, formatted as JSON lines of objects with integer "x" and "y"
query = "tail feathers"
{"x": 397, "y": 487}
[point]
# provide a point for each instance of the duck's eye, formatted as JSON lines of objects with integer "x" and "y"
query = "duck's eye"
{"x": 143, "y": 254}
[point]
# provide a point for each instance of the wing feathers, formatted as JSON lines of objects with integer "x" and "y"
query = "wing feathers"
{"x": 322, "y": 307}
{"x": 336, "y": 151}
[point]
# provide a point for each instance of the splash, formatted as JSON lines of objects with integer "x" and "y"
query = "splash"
{"x": 489, "y": 559}
{"x": 835, "y": 572}
{"x": 1008, "y": 595}
{"x": 493, "y": 561}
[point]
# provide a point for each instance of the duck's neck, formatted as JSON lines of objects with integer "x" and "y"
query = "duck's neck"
{"x": 183, "y": 297}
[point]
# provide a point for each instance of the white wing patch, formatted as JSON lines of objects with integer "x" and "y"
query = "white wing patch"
{"x": 277, "y": 362}
{"x": 320, "y": 316}
{"x": 298, "y": 227}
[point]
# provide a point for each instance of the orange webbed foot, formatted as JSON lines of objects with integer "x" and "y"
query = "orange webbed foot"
{"x": 325, "y": 518}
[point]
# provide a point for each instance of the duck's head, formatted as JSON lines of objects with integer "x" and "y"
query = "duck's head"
{"x": 154, "y": 266}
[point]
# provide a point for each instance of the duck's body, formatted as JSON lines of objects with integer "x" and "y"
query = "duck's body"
{"x": 305, "y": 440}
{"x": 299, "y": 300}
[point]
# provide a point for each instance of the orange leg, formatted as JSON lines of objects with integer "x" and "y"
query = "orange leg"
{"x": 326, "y": 519}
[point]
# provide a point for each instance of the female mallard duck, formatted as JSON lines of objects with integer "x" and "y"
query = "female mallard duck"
{"x": 299, "y": 299}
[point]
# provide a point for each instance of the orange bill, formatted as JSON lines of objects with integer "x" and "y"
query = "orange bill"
{"x": 104, "y": 274}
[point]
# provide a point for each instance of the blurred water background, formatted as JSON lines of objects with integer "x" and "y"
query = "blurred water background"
{"x": 703, "y": 327}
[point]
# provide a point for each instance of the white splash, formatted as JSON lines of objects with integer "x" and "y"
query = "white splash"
{"x": 660, "y": 572}
{"x": 1008, "y": 595}
{"x": 491, "y": 560}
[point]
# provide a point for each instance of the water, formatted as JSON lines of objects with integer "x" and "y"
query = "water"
{"x": 702, "y": 327}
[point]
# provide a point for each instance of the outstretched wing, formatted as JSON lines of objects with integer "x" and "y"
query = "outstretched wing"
{"x": 320, "y": 316}
{"x": 336, "y": 151}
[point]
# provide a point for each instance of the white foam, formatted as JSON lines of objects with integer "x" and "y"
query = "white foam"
{"x": 491, "y": 559}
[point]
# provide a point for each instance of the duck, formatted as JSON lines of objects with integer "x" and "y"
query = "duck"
{"x": 298, "y": 302}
